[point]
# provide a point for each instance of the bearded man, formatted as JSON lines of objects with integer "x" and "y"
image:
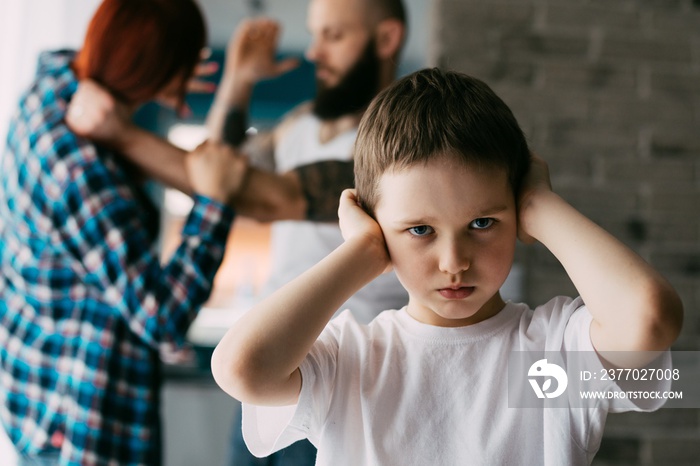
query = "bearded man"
{"x": 355, "y": 46}
{"x": 298, "y": 169}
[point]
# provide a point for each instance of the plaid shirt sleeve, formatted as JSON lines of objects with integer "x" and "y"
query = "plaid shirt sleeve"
{"x": 102, "y": 225}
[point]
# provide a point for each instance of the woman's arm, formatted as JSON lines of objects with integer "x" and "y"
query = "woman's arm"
{"x": 257, "y": 360}
{"x": 105, "y": 228}
{"x": 634, "y": 308}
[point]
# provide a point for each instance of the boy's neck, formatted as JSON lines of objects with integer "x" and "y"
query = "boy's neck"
{"x": 491, "y": 308}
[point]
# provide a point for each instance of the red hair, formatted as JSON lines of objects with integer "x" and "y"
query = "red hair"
{"x": 136, "y": 47}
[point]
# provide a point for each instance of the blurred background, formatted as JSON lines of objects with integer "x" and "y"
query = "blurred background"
{"x": 607, "y": 92}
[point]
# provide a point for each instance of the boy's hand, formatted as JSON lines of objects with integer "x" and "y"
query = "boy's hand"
{"x": 536, "y": 183}
{"x": 216, "y": 171}
{"x": 356, "y": 223}
{"x": 95, "y": 114}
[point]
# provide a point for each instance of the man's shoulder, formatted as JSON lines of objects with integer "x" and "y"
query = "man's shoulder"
{"x": 304, "y": 108}
{"x": 292, "y": 117}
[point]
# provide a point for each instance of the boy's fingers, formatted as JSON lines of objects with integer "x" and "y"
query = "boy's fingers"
{"x": 348, "y": 195}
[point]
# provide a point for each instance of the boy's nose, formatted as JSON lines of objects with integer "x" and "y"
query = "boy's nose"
{"x": 454, "y": 257}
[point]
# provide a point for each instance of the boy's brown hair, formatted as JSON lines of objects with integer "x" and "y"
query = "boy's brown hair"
{"x": 434, "y": 113}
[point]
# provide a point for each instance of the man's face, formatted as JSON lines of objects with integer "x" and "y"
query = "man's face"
{"x": 355, "y": 90}
{"x": 451, "y": 233}
{"x": 340, "y": 33}
{"x": 344, "y": 52}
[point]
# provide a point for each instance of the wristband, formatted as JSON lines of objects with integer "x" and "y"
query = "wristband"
{"x": 235, "y": 126}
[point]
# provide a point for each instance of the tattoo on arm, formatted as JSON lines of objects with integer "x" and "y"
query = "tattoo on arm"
{"x": 322, "y": 184}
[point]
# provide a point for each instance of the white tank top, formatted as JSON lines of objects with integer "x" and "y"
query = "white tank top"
{"x": 297, "y": 245}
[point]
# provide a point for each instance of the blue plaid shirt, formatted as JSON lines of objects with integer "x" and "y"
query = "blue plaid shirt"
{"x": 84, "y": 300}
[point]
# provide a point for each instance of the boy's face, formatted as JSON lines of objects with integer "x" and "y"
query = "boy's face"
{"x": 451, "y": 233}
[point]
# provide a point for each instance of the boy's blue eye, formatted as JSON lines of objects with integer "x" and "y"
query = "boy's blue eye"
{"x": 421, "y": 230}
{"x": 482, "y": 223}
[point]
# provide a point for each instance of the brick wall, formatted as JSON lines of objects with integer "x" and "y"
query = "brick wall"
{"x": 609, "y": 93}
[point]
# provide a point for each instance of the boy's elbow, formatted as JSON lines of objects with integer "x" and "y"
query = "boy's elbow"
{"x": 663, "y": 319}
{"x": 245, "y": 378}
{"x": 231, "y": 374}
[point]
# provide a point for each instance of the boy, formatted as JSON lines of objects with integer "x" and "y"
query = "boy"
{"x": 440, "y": 168}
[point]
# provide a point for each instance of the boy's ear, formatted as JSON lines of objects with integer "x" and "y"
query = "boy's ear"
{"x": 389, "y": 34}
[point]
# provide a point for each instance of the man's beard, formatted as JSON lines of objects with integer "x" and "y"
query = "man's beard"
{"x": 354, "y": 91}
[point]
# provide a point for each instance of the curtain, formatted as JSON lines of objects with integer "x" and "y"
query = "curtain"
{"x": 28, "y": 27}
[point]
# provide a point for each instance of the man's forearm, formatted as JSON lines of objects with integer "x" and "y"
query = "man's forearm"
{"x": 265, "y": 196}
{"x": 157, "y": 158}
{"x": 232, "y": 99}
{"x": 308, "y": 192}
{"x": 268, "y": 197}
{"x": 321, "y": 184}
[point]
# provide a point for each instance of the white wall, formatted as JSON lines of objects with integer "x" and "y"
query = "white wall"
{"x": 26, "y": 28}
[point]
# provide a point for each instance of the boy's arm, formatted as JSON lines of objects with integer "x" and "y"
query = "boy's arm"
{"x": 258, "y": 359}
{"x": 633, "y": 307}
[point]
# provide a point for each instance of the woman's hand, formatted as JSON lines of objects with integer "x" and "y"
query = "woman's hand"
{"x": 216, "y": 171}
{"x": 355, "y": 223}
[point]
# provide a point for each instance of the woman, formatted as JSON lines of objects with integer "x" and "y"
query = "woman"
{"x": 84, "y": 301}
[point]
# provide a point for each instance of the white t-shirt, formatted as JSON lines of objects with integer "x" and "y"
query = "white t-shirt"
{"x": 298, "y": 245}
{"x": 400, "y": 392}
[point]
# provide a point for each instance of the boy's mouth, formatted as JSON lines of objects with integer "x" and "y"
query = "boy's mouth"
{"x": 459, "y": 292}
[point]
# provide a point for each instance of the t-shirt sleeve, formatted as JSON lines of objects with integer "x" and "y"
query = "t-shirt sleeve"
{"x": 631, "y": 395}
{"x": 267, "y": 429}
